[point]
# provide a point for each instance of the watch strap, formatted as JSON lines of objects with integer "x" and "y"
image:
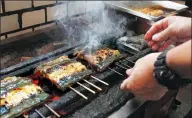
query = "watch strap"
{"x": 166, "y": 76}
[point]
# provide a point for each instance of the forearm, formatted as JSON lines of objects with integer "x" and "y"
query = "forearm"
{"x": 179, "y": 60}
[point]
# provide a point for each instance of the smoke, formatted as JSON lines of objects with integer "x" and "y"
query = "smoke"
{"x": 91, "y": 14}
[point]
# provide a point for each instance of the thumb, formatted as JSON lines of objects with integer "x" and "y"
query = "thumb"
{"x": 126, "y": 84}
{"x": 163, "y": 35}
{"x": 129, "y": 71}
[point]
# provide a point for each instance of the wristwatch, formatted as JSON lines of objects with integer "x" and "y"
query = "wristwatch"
{"x": 165, "y": 76}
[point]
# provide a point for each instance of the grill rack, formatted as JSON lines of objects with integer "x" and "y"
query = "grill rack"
{"x": 19, "y": 69}
{"x": 128, "y": 60}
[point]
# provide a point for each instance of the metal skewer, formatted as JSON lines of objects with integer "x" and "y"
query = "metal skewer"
{"x": 121, "y": 66}
{"x": 125, "y": 65}
{"x": 54, "y": 112}
{"x": 39, "y": 113}
{"x": 99, "y": 80}
{"x": 86, "y": 88}
{"x": 78, "y": 92}
{"x": 130, "y": 61}
{"x": 93, "y": 85}
{"x": 115, "y": 71}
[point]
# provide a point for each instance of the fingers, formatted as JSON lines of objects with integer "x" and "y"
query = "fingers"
{"x": 151, "y": 43}
{"x": 129, "y": 71}
{"x": 126, "y": 85}
{"x": 156, "y": 46}
{"x": 157, "y": 27}
{"x": 163, "y": 35}
{"x": 165, "y": 45}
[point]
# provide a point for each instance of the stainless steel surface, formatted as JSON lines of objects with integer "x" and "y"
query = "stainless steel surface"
{"x": 126, "y": 7}
{"x": 127, "y": 109}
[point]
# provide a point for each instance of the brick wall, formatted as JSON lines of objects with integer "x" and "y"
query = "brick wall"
{"x": 19, "y": 17}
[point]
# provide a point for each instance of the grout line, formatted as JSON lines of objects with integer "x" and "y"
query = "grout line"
{"x": 20, "y": 20}
{"x": 14, "y": 31}
{"x": 32, "y": 3}
{"x": 45, "y": 14}
{"x": 3, "y": 5}
{"x": 28, "y": 9}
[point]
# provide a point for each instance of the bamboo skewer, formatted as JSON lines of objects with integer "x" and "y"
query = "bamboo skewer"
{"x": 115, "y": 71}
{"x": 54, "y": 112}
{"x": 99, "y": 80}
{"x": 93, "y": 85}
{"x": 39, "y": 113}
{"x": 121, "y": 66}
{"x": 78, "y": 92}
{"x": 86, "y": 88}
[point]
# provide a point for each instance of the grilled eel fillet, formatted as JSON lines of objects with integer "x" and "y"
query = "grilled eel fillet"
{"x": 19, "y": 94}
{"x": 43, "y": 67}
{"x": 64, "y": 73}
{"x": 101, "y": 58}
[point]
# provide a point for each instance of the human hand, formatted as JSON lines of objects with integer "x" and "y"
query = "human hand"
{"x": 141, "y": 81}
{"x": 170, "y": 30}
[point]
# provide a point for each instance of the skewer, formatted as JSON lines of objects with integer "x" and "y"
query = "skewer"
{"x": 93, "y": 85}
{"x": 78, "y": 92}
{"x": 54, "y": 112}
{"x": 121, "y": 66}
{"x": 130, "y": 61}
{"x": 115, "y": 71}
{"x": 99, "y": 80}
{"x": 125, "y": 65}
{"x": 86, "y": 88}
{"x": 40, "y": 113}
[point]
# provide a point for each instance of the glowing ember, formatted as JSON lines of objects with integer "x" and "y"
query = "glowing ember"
{"x": 62, "y": 112}
{"x": 35, "y": 81}
{"x": 54, "y": 98}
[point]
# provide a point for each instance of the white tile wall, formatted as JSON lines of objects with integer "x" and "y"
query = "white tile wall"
{"x": 45, "y": 2}
{"x": 33, "y": 18}
{"x": 12, "y": 5}
{"x": 9, "y": 23}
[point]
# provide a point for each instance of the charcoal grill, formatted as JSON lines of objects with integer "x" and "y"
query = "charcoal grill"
{"x": 68, "y": 103}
